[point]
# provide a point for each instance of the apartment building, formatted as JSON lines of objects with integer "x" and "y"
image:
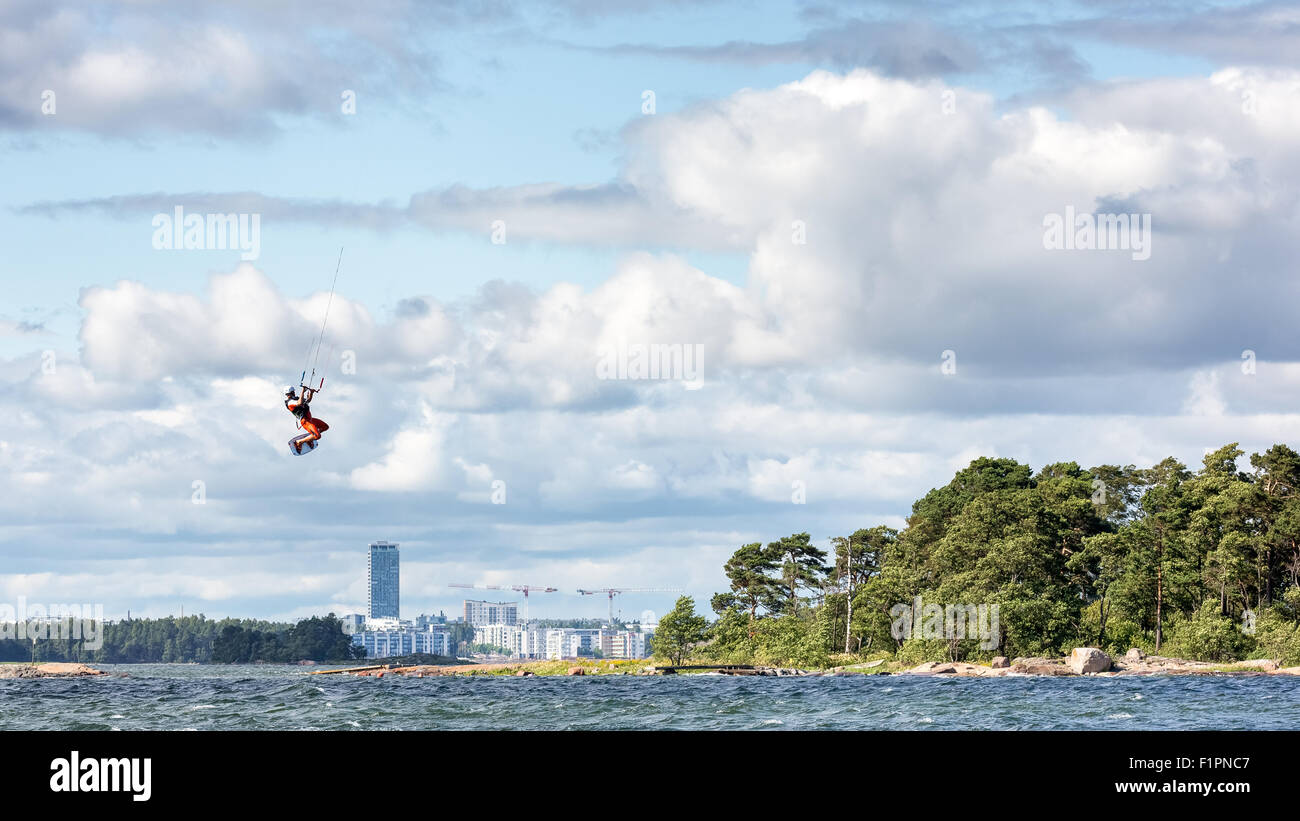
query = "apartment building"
{"x": 482, "y": 613}
{"x": 386, "y": 643}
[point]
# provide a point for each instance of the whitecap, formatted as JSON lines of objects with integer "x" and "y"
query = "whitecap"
{"x": 1120, "y": 715}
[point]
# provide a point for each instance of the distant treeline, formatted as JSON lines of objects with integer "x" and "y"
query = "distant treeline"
{"x": 194, "y": 639}
{"x": 1202, "y": 565}
{"x": 579, "y": 624}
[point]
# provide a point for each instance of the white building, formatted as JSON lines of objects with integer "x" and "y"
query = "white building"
{"x": 506, "y": 636}
{"x": 387, "y": 643}
{"x": 520, "y": 641}
{"x": 624, "y": 645}
{"x": 483, "y": 613}
{"x": 562, "y": 642}
{"x": 619, "y": 644}
{"x": 532, "y": 643}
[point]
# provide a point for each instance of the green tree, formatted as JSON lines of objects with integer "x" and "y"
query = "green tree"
{"x": 749, "y": 570}
{"x": 802, "y": 566}
{"x": 679, "y": 631}
{"x": 1165, "y": 512}
{"x": 1277, "y": 472}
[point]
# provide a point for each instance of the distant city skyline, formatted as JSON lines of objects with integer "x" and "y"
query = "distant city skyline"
{"x": 383, "y": 632}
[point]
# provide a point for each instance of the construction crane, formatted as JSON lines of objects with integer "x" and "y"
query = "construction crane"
{"x": 614, "y": 591}
{"x": 518, "y": 588}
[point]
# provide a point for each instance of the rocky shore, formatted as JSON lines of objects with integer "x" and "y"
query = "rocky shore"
{"x": 49, "y": 670}
{"x": 1084, "y": 661}
{"x": 1089, "y": 661}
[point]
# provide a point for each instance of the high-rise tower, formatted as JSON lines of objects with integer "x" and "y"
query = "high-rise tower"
{"x": 382, "y": 577}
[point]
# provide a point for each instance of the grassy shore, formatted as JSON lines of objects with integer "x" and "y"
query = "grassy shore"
{"x": 622, "y": 667}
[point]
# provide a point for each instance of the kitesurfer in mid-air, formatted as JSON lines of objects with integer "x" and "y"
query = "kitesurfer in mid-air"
{"x": 301, "y": 409}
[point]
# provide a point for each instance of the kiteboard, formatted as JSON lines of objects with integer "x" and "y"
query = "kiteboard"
{"x": 307, "y": 448}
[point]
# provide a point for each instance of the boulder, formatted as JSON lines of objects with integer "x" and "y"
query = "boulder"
{"x": 1000, "y": 662}
{"x": 577, "y": 671}
{"x": 1040, "y": 667}
{"x": 1266, "y": 665}
{"x": 948, "y": 668}
{"x": 1088, "y": 660}
{"x": 1134, "y": 654}
{"x": 926, "y": 668}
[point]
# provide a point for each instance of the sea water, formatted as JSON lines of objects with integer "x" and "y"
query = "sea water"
{"x": 256, "y": 697}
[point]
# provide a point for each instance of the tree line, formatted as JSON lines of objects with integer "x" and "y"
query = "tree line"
{"x": 1201, "y": 564}
{"x": 191, "y": 639}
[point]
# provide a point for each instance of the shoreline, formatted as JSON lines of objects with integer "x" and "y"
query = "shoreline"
{"x": 1149, "y": 666}
{"x": 1084, "y": 662}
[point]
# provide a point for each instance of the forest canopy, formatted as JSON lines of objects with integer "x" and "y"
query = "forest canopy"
{"x": 1201, "y": 564}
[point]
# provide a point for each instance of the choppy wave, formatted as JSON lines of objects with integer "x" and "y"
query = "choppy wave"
{"x": 284, "y": 698}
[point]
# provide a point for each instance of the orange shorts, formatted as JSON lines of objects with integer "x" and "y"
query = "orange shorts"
{"x": 315, "y": 426}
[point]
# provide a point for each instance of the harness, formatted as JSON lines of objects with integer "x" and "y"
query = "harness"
{"x": 302, "y": 410}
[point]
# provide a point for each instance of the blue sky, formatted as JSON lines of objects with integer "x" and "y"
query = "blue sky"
{"x": 474, "y": 358}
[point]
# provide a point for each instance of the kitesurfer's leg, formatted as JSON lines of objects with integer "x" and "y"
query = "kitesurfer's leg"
{"x": 311, "y": 426}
